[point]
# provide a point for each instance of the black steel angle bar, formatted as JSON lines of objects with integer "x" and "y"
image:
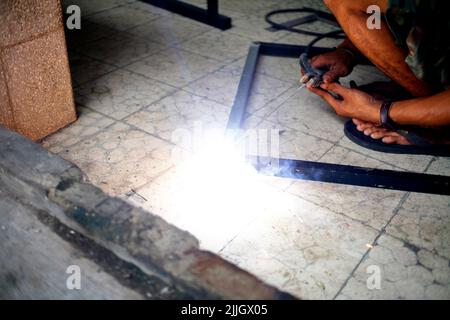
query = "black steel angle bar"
{"x": 237, "y": 113}
{"x": 352, "y": 175}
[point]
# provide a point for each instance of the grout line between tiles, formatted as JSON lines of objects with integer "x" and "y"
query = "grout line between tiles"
{"x": 374, "y": 243}
{"x": 332, "y": 210}
{"x": 156, "y": 16}
{"x": 125, "y": 123}
{"x": 430, "y": 163}
{"x": 104, "y": 10}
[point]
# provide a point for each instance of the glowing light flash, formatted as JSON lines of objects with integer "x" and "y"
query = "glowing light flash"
{"x": 217, "y": 191}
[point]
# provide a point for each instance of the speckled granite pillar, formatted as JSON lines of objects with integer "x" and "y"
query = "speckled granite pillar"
{"x": 36, "y": 96}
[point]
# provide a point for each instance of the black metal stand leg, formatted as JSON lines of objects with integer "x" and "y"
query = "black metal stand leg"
{"x": 210, "y": 16}
{"x": 213, "y": 7}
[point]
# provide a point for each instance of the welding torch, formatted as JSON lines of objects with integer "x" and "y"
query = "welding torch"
{"x": 313, "y": 77}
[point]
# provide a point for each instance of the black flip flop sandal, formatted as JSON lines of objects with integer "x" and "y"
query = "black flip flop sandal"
{"x": 419, "y": 146}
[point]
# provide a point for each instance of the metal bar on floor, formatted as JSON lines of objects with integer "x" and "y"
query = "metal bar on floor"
{"x": 245, "y": 84}
{"x": 352, "y": 175}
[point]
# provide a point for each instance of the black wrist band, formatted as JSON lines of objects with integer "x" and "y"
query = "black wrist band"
{"x": 386, "y": 121}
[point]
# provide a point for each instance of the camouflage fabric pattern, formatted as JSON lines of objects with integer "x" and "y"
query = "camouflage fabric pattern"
{"x": 422, "y": 28}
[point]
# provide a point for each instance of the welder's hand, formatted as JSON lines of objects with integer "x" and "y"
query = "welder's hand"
{"x": 339, "y": 63}
{"x": 355, "y": 104}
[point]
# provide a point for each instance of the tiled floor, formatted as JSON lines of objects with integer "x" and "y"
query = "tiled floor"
{"x": 141, "y": 74}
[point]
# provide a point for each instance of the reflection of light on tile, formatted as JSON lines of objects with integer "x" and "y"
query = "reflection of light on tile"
{"x": 216, "y": 190}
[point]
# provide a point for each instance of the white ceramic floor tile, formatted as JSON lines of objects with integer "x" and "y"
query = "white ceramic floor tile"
{"x": 87, "y": 124}
{"x": 89, "y": 32}
{"x": 180, "y": 111}
{"x": 120, "y": 49}
{"x": 119, "y": 158}
{"x": 120, "y": 93}
{"x": 219, "y": 45}
{"x": 292, "y": 144}
{"x": 254, "y": 28}
{"x": 169, "y": 30}
{"x": 440, "y": 166}
{"x": 150, "y": 9}
{"x": 404, "y": 274}
{"x": 123, "y": 17}
{"x": 373, "y": 207}
{"x": 415, "y": 163}
{"x": 308, "y": 113}
{"x": 286, "y": 69}
{"x": 89, "y": 7}
{"x": 221, "y": 86}
{"x": 175, "y": 66}
{"x": 304, "y": 249}
{"x": 84, "y": 69}
{"x": 424, "y": 221}
{"x": 340, "y": 155}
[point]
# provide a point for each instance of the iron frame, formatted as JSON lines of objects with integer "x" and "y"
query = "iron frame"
{"x": 318, "y": 171}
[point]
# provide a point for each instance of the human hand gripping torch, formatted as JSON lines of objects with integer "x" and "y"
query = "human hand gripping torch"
{"x": 313, "y": 77}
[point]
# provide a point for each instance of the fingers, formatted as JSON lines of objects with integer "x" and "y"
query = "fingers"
{"x": 320, "y": 61}
{"x": 317, "y": 91}
{"x": 337, "y": 88}
{"x": 326, "y": 96}
{"x": 332, "y": 75}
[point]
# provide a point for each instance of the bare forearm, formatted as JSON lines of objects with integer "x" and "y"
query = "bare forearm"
{"x": 377, "y": 45}
{"x": 358, "y": 56}
{"x": 432, "y": 111}
{"x": 347, "y": 44}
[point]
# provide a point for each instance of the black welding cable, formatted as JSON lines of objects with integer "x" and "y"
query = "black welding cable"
{"x": 292, "y": 29}
{"x": 323, "y": 36}
{"x": 336, "y": 34}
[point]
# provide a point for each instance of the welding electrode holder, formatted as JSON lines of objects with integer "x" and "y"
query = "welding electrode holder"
{"x": 313, "y": 77}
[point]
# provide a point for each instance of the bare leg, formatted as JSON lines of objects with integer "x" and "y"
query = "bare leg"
{"x": 377, "y": 45}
